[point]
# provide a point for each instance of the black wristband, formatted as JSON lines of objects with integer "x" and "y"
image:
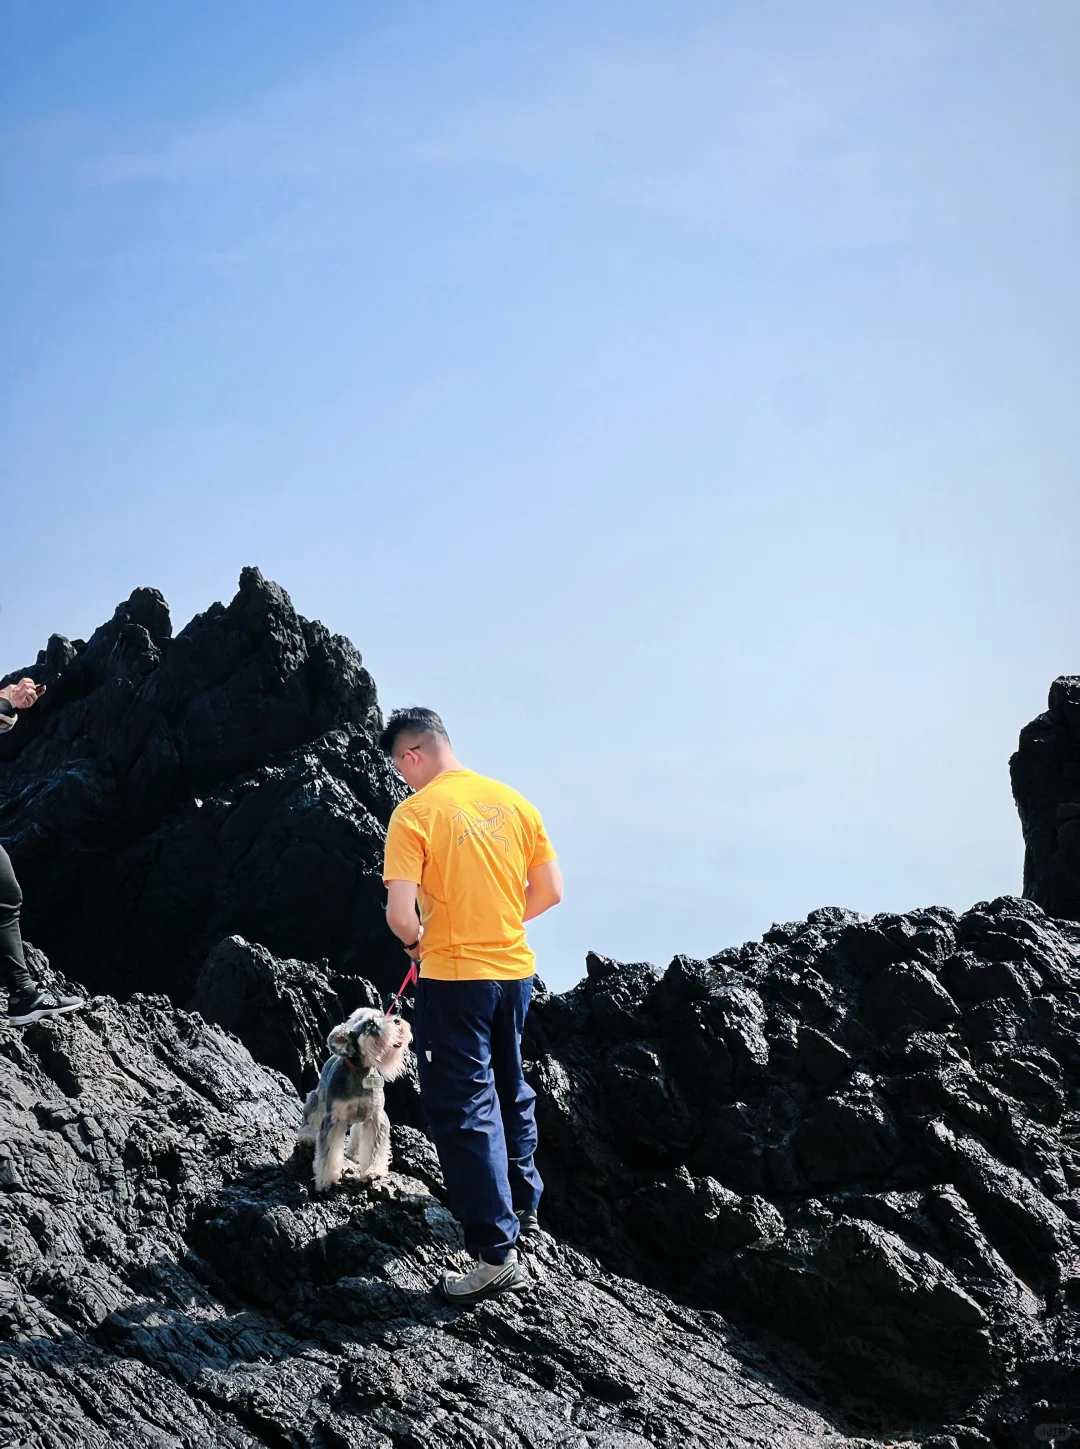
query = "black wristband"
{"x": 413, "y": 945}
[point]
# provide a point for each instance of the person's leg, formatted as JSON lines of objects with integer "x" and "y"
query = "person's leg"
{"x": 26, "y": 1001}
{"x": 452, "y": 1026}
{"x": 13, "y": 973}
{"x": 516, "y": 1098}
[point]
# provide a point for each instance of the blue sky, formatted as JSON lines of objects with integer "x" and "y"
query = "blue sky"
{"x": 681, "y": 398}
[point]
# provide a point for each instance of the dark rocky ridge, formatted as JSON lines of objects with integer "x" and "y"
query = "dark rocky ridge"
{"x": 282, "y": 1011}
{"x": 169, "y": 1278}
{"x": 167, "y": 792}
{"x": 857, "y": 1139}
{"x": 1046, "y": 786}
{"x": 861, "y": 1138}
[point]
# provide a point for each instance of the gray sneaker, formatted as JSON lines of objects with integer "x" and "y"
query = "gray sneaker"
{"x": 35, "y": 1006}
{"x": 529, "y": 1223}
{"x": 483, "y": 1280}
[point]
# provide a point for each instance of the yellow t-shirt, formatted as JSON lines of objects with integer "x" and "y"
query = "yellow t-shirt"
{"x": 469, "y": 844}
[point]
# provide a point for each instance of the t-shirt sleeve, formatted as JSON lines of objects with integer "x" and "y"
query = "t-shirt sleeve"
{"x": 543, "y": 850}
{"x": 405, "y": 847}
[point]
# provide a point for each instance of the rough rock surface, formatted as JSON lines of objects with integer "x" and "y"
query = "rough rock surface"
{"x": 283, "y": 1011}
{"x": 857, "y": 1137}
{"x": 169, "y": 1278}
{"x": 169, "y": 791}
{"x": 1046, "y": 786}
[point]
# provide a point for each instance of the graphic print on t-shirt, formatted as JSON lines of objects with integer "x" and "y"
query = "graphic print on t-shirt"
{"x": 490, "y": 822}
{"x": 468, "y": 843}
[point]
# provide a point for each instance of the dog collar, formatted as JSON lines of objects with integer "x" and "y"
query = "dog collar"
{"x": 372, "y": 1079}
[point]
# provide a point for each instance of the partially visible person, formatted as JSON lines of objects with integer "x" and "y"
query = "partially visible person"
{"x": 474, "y": 855}
{"x": 27, "y": 1001}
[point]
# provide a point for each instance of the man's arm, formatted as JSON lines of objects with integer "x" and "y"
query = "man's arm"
{"x": 401, "y": 914}
{"x": 544, "y": 889}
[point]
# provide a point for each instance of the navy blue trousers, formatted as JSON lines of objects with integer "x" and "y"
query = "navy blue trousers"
{"x": 479, "y": 1107}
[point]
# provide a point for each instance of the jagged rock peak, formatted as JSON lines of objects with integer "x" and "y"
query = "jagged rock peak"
{"x": 1046, "y": 787}
{"x": 169, "y": 791}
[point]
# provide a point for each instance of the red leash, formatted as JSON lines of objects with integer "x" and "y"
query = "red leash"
{"x": 411, "y": 977}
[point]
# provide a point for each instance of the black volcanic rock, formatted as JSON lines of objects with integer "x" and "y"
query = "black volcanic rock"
{"x": 858, "y": 1137}
{"x": 169, "y": 791}
{"x": 169, "y": 1277}
{"x": 283, "y": 1012}
{"x": 1046, "y": 786}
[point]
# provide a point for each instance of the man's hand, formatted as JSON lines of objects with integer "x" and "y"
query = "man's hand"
{"x": 23, "y": 694}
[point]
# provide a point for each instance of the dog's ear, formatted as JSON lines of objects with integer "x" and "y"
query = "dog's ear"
{"x": 338, "y": 1040}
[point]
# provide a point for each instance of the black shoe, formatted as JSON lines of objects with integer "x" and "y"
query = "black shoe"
{"x": 36, "y": 1005}
{"x": 529, "y": 1223}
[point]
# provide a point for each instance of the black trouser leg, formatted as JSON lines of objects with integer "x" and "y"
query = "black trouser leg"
{"x": 13, "y": 972}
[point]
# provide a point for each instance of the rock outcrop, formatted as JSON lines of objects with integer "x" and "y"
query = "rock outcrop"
{"x": 169, "y": 791}
{"x": 1046, "y": 786}
{"x": 283, "y": 1012}
{"x": 856, "y": 1140}
{"x": 169, "y": 1278}
{"x": 859, "y": 1138}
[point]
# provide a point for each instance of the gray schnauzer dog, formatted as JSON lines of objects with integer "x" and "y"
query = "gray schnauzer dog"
{"x": 368, "y": 1050}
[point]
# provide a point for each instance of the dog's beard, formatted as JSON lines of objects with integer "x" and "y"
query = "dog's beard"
{"x": 384, "y": 1052}
{"x": 373, "y": 1042}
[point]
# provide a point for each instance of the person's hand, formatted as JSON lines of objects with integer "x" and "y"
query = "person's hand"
{"x": 23, "y": 694}
{"x": 413, "y": 952}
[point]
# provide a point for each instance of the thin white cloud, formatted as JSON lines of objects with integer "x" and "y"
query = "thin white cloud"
{"x": 723, "y": 128}
{"x": 616, "y": 111}
{"x": 319, "y": 128}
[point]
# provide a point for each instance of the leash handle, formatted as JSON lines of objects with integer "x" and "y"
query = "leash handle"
{"x": 410, "y": 977}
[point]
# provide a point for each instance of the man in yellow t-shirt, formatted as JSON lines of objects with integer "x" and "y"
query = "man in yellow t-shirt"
{"x": 473, "y": 855}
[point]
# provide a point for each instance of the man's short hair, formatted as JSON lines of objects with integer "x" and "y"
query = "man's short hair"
{"x": 413, "y": 721}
